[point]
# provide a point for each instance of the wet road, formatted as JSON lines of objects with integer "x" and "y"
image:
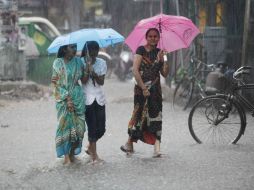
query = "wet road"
{"x": 28, "y": 152}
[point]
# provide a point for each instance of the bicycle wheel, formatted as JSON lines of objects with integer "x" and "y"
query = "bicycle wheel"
{"x": 183, "y": 93}
{"x": 215, "y": 120}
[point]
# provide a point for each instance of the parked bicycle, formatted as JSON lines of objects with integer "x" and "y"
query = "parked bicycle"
{"x": 221, "y": 118}
{"x": 192, "y": 83}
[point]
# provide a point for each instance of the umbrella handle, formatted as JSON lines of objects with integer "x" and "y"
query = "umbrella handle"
{"x": 160, "y": 26}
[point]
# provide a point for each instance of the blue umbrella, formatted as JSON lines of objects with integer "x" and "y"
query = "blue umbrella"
{"x": 104, "y": 37}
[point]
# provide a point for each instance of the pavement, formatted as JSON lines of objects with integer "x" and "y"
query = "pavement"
{"x": 28, "y": 159}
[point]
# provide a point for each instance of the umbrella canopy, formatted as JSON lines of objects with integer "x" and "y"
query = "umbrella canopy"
{"x": 104, "y": 37}
{"x": 176, "y": 32}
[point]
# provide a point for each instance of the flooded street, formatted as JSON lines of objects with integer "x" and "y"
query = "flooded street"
{"x": 200, "y": 46}
{"x": 28, "y": 158}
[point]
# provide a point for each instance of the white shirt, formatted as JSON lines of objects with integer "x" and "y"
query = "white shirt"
{"x": 95, "y": 92}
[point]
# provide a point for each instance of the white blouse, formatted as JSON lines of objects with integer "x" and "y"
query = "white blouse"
{"x": 95, "y": 92}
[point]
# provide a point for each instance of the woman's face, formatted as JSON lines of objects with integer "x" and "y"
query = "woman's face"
{"x": 152, "y": 38}
{"x": 93, "y": 53}
{"x": 71, "y": 50}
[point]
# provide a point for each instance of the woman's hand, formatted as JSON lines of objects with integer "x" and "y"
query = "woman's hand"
{"x": 146, "y": 92}
{"x": 160, "y": 56}
{"x": 90, "y": 68}
{"x": 99, "y": 79}
{"x": 86, "y": 71}
{"x": 94, "y": 74}
{"x": 54, "y": 79}
{"x": 70, "y": 105}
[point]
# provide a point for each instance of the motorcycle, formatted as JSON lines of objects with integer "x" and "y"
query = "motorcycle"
{"x": 123, "y": 68}
{"x": 108, "y": 59}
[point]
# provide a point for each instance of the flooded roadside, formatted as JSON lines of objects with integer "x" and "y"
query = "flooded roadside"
{"x": 28, "y": 158}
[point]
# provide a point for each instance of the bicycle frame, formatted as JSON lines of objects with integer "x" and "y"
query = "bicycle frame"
{"x": 194, "y": 75}
{"x": 196, "y": 79}
{"x": 241, "y": 98}
{"x": 221, "y": 118}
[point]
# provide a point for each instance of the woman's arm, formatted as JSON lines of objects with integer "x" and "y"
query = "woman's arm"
{"x": 85, "y": 76}
{"x": 85, "y": 73}
{"x": 59, "y": 91}
{"x": 165, "y": 67}
{"x": 136, "y": 73}
{"x": 136, "y": 65}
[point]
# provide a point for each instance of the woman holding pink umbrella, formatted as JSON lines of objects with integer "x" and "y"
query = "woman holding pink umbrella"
{"x": 146, "y": 120}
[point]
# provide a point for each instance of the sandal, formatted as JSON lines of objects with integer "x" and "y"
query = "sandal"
{"x": 127, "y": 148}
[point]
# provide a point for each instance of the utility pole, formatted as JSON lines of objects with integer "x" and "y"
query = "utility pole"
{"x": 161, "y": 6}
{"x": 178, "y": 13}
{"x": 245, "y": 32}
{"x": 151, "y": 8}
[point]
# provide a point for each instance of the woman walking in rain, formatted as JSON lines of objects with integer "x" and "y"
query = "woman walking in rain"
{"x": 67, "y": 72}
{"x": 95, "y": 70}
{"x": 146, "y": 120}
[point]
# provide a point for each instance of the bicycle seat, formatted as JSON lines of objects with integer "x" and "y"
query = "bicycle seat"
{"x": 242, "y": 70}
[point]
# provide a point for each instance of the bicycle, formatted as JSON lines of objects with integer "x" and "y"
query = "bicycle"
{"x": 192, "y": 83}
{"x": 221, "y": 118}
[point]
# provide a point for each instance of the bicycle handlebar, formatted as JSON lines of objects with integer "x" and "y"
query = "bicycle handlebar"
{"x": 242, "y": 70}
{"x": 210, "y": 66}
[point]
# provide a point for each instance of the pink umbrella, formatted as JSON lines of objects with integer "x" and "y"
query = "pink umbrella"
{"x": 176, "y": 32}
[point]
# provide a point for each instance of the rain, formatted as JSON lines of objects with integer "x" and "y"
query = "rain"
{"x": 205, "y": 144}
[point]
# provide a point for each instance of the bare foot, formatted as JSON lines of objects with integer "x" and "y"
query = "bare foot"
{"x": 157, "y": 155}
{"x": 72, "y": 156}
{"x": 67, "y": 160}
{"x": 98, "y": 161}
{"x": 88, "y": 151}
{"x": 66, "y": 163}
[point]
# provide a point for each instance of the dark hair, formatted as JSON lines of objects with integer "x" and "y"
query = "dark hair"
{"x": 62, "y": 51}
{"x": 90, "y": 46}
{"x": 154, "y": 29}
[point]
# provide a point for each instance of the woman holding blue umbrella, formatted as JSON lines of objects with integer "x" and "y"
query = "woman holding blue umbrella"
{"x": 68, "y": 93}
{"x": 93, "y": 80}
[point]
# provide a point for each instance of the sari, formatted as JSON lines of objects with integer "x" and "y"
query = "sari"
{"x": 146, "y": 120}
{"x": 71, "y": 125}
